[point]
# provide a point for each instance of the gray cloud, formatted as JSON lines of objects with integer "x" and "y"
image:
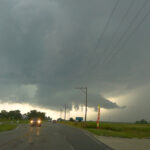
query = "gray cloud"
{"x": 51, "y": 45}
{"x": 137, "y": 106}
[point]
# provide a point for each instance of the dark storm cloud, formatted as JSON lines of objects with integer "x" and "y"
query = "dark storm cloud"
{"x": 51, "y": 45}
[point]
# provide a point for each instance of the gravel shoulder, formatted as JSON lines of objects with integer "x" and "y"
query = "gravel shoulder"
{"x": 125, "y": 143}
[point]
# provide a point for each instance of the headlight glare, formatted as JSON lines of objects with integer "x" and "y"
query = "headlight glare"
{"x": 39, "y": 121}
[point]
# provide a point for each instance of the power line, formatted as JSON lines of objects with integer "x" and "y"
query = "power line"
{"x": 107, "y": 23}
{"x": 116, "y": 31}
{"x": 105, "y": 28}
{"x": 120, "y": 25}
{"x": 126, "y": 31}
{"x": 111, "y": 54}
{"x": 132, "y": 33}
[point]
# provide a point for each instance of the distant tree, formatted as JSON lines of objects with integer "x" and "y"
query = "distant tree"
{"x": 36, "y": 114}
{"x": 49, "y": 118}
{"x": 71, "y": 119}
{"x": 60, "y": 119}
{"x": 24, "y": 116}
{"x": 4, "y": 114}
{"x": 14, "y": 114}
{"x": 143, "y": 121}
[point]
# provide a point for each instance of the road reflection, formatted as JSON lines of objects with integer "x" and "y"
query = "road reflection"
{"x": 31, "y": 129}
{"x": 33, "y": 133}
{"x": 38, "y": 131}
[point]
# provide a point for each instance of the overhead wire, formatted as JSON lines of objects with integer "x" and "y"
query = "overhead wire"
{"x": 105, "y": 29}
{"x": 125, "y": 33}
{"x": 118, "y": 27}
{"x": 111, "y": 54}
{"x": 115, "y": 33}
{"x": 107, "y": 24}
{"x": 130, "y": 35}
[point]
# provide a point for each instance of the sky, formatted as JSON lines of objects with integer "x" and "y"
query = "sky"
{"x": 50, "y": 47}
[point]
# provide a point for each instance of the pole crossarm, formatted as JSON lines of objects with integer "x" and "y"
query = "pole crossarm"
{"x": 83, "y": 89}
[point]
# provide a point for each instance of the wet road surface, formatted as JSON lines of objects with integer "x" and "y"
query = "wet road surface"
{"x": 49, "y": 137}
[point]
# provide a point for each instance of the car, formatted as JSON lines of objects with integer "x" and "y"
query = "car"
{"x": 54, "y": 121}
{"x": 35, "y": 122}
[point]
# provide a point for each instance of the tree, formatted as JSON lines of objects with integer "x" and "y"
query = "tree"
{"x": 4, "y": 114}
{"x": 71, "y": 119}
{"x": 60, "y": 119}
{"x": 14, "y": 114}
{"x": 36, "y": 114}
{"x": 49, "y": 118}
{"x": 143, "y": 121}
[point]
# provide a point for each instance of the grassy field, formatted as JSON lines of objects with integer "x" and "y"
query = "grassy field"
{"x": 123, "y": 130}
{"x": 7, "y": 127}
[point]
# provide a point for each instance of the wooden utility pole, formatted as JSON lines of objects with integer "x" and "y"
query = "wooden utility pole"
{"x": 85, "y": 104}
{"x": 84, "y": 90}
{"x": 65, "y": 112}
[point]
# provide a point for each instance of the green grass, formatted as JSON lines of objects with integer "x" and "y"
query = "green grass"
{"x": 7, "y": 127}
{"x": 14, "y": 121}
{"x": 124, "y": 130}
{"x": 24, "y": 121}
{"x": 12, "y": 124}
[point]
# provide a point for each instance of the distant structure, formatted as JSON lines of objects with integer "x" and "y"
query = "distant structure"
{"x": 24, "y": 116}
{"x": 79, "y": 119}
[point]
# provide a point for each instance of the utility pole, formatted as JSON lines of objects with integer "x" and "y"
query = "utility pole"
{"x": 60, "y": 112}
{"x": 65, "y": 112}
{"x": 84, "y": 90}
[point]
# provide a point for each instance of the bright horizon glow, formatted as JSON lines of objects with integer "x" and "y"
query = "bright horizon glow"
{"x": 24, "y": 108}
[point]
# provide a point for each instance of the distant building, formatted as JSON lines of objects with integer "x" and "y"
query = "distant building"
{"x": 79, "y": 119}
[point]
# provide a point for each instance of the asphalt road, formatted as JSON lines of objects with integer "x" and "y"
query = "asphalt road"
{"x": 49, "y": 137}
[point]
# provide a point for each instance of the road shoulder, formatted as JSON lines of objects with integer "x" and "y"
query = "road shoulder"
{"x": 91, "y": 136}
{"x": 125, "y": 143}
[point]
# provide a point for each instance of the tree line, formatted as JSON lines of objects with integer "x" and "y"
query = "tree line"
{"x": 16, "y": 114}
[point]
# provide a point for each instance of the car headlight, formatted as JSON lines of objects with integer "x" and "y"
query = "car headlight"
{"x": 31, "y": 121}
{"x": 39, "y": 121}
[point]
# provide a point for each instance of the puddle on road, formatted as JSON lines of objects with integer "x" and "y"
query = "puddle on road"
{"x": 37, "y": 131}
